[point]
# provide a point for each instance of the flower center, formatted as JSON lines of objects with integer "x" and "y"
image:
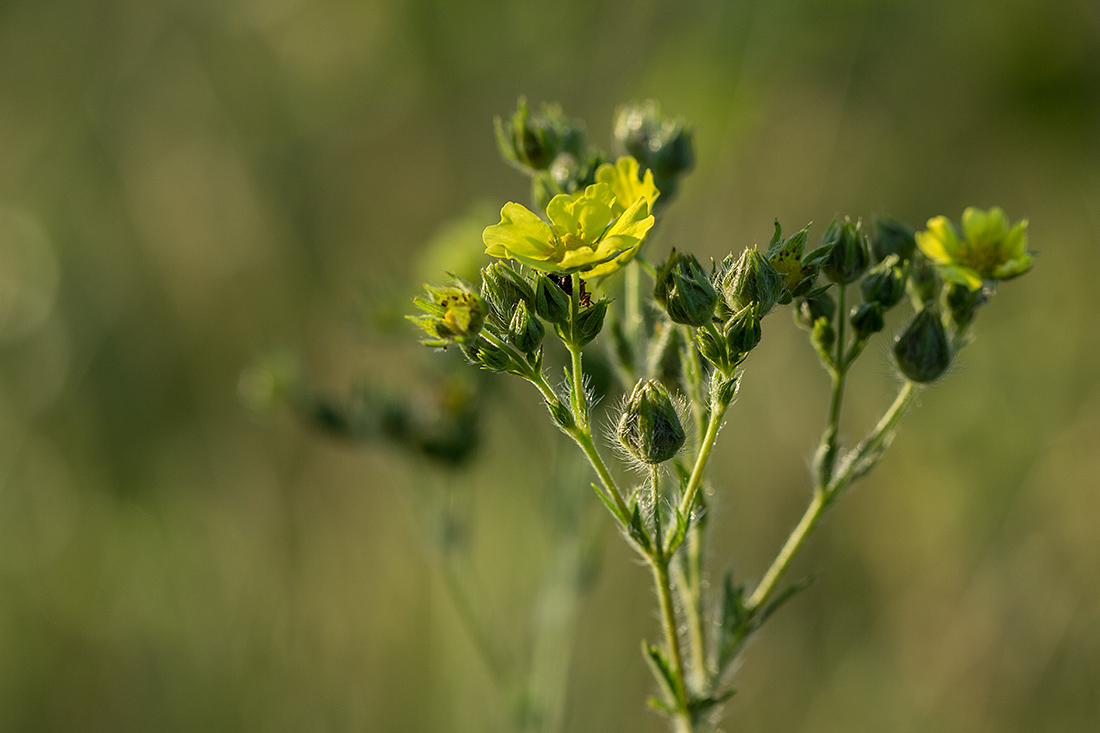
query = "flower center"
{"x": 982, "y": 256}
{"x": 569, "y": 242}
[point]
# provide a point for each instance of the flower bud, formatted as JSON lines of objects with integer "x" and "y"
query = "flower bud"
{"x": 561, "y": 415}
{"x": 551, "y": 302}
{"x": 723, "y": 389}
{"x": 823, "y": 338}
{"x": 850, "y": 253}
{"x": 885, "y": 283}
{"x": 867, "y": 319}
{"x": 590, "y": 322}
{"x": 504, "y": 288}
{"x": 810, "y": 309}
{"x": 487, "y": 355}
{"x": 455, "y": 314}
{"x": 891, "y": 237}
{"x": 742, "y": 334}
{"x": 525, "y": 331}
{"x": 712, "y": 349}
{"x": 650, "y": 428}
{"x": 923, "y": 282}
{"x": 531, "y": 142}
{"x": 921, "y": 351}
{"x": 684, "y": 289}
{"x": 752, "y": 281}
{"x": 962, "y": 303}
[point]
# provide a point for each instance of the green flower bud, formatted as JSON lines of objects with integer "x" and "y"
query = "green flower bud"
{"x": 742, "y": 334}
{"x": 867, "y": 319}
{"x": 723, "y": 389}
{"x": 810, "y": 309}
{"x": 561, "y": 415}
{"x": 455, "y": 314}
{"x": 850, "y": 252}
{"x": 712, "y": 349}
{"x": 891, "y": 237}
{"x": 504, "y": 288}
{"x": 684, "y": 289}
{"x": 823, "y": 338}
{"x": 962, "y": 303}
{"x": 531, "y": 142}
{"x": 590, "y": 322}
{"x": 525, "y": 331}
{"x": 923, "y": 283}
{"x": 649, "y": 427}
{"x": 885, "y": 283}
{"x": 551, "y": 302}
{"x": 921, "y": 351}
{"x": 752, "y": 281}
{"x": 488, "y": 355}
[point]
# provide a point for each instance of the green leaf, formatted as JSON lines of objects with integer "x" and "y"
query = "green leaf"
{"x": 678, "y": 533}
{"x": 787, "y": 593}
{"x": 637, "y": 530}
{"x": 662, "y": 672}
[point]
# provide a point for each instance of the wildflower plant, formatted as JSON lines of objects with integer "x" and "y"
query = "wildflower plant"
{"x": 576, "y": 270}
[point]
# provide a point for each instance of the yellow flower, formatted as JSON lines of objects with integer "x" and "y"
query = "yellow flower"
{"x": 589, "y": 233}
{"x": 988, "y": 250}
{"x": 626, "y": 184}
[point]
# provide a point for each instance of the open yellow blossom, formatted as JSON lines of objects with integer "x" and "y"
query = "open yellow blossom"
{"x": 588, "y": 233}
{"x": 988, "y": 249}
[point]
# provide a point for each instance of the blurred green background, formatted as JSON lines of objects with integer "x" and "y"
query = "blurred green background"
{"x": 187, "y": 184}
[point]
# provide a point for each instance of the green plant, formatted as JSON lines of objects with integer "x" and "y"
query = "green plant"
{"x": 582, "y": 271}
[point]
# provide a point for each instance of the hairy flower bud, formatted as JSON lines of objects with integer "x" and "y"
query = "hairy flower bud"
{"x": 867, "y": 319}
{"x": 560, "y": 414}
{"x": 503, "y": 287}
{"x": 742, "y": 334}
{"x": 711, "y": 348}
{"x": 525, "y": 331}
{"x": 921, "y": 351}
{"x": 650, "y": 428}
{"x": 590, "y": 322}
{"x": 532, "y": 141}
{"x": 684, "y": 289}
{"x": 850, "y": 252}
{"x": 551, "y": 302}
{"x": 487, "y": 355}
{"x": 891, "y": 237}
{"x": 885, "y": 283}
{"x": 752, "y": 281}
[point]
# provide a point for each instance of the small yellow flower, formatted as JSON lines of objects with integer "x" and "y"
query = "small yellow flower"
{"x": 589, "y": 233}
{"x": 988, "y": 250}
{"x": 626, "y": 184}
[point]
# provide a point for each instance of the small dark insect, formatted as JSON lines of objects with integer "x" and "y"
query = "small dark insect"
{"x": 565, "y": 282}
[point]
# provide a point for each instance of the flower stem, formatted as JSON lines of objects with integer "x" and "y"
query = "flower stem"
{"x": 856, "y": 463}
{"x": 696, "y": 478}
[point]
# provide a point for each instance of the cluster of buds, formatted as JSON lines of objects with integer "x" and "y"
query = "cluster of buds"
{"x": 549, "y": 147}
